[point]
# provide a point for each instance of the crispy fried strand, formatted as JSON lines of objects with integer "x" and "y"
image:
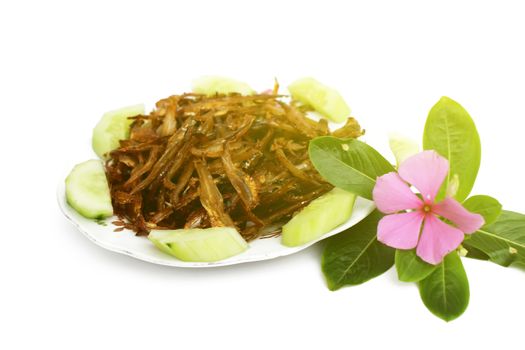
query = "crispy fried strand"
{"x": 223, "y": 160}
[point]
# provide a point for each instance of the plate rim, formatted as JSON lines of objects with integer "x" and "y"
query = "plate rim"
{"x": 66, "y": 210}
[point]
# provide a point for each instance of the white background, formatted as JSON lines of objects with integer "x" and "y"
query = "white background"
{"x": 64, "y": 64}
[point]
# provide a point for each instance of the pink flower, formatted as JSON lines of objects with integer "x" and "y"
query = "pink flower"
{"x": 416, "y": 221}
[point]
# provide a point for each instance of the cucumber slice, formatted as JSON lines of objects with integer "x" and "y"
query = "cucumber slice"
{"x": 87, "y": 190}
{"x": 322, "y": 98}
{"x": 113, "y": 127}
{"x": 205, "y": 245}
{"x": 210, "y": 85}
{"x": 319, "y": 217}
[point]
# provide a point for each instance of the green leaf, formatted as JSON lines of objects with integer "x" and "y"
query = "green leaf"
{"x": 503, "y": 241}
{"x": 356, "y": 256}
{"x": 451, "y": 132}
{"x": 410, "y": 267}
{"x": 486, "y": 206}
{"x": 348, "y": 164}
{"x": 445, "y": 292}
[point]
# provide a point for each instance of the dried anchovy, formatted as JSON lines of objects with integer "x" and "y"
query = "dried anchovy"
{"x": 199, "y": 161}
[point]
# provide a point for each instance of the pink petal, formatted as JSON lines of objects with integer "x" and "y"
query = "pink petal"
{"x": 391, "y": 194}
{"x": 452, "y": 210}
{"x": 400, "y": 230}
{"x": 437, "y": 240}
{"x": 426, "y": 171}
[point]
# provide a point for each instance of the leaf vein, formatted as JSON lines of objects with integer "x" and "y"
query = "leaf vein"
{"x": 356, "y": 259}
{"x": 449, "y": 155}
{"x": 344, "y": 164}
{"x": 508, "y": 241}
{"x": 444, "y": 284}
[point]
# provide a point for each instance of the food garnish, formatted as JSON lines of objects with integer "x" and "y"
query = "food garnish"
{"x": 321, "y": 98}
{"x": 412, "y": 221}
{"x": 113, "y": 127}
{"x": 87, "y": 190}
{"x": 211, "y": 85}
{"x": 206, "y": 245}
{"x": 319, "y": 217}
{"x": 425, "y": 220}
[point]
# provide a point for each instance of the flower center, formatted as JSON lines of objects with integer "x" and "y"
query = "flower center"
{"x": 427, "y": 208}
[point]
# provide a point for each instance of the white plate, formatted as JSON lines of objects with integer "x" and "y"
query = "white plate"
{"x": 125, "y": 242}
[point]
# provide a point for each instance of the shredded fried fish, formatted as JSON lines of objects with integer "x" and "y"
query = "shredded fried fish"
{"x": 201, "y": 161}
